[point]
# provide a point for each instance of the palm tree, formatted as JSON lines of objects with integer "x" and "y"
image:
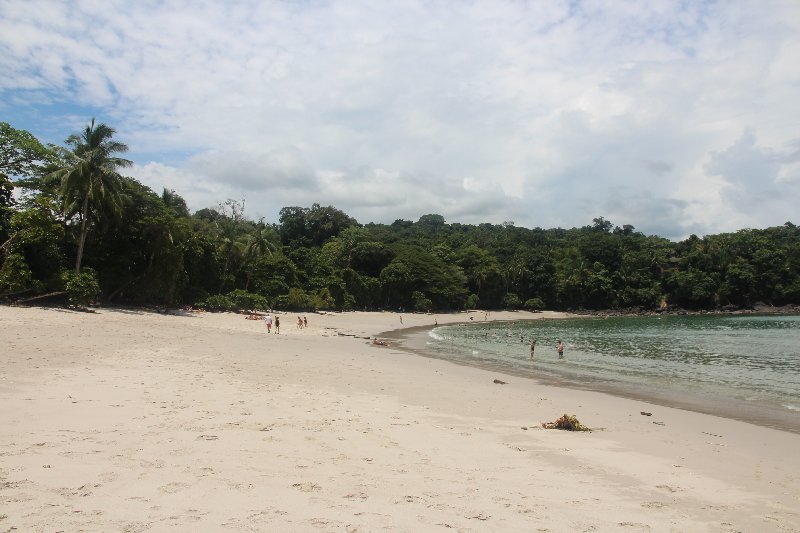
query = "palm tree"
{"x": 89, "y": 181}
{"x": 232, "y": 249}
{"x": 260, "y": 242}
{"x": 175, "y": 202}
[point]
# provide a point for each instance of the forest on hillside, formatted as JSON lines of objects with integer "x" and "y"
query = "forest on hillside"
{"x": 71, "y": 222}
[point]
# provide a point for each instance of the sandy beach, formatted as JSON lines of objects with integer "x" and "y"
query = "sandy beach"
{"x": 125, "y": 420}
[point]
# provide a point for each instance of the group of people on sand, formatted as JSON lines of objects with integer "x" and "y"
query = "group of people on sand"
{"x": 559, "y": 348}
{"x": 268, "y": 321}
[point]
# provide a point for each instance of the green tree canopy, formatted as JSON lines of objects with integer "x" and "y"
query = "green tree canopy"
{"x": 21, "y": 154}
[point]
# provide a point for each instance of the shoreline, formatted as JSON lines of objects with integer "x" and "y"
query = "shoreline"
{"x": 414, "y": 340}
{"x": 758, "y": 309}
{"x": 130, "y": 421}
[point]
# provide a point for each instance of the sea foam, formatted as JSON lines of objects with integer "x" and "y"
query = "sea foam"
{"x": 432, "y": 334}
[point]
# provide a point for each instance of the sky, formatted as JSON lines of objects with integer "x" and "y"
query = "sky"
{"x": 676, "y": 117}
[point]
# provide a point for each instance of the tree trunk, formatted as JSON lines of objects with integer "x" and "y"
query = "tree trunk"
{"x": 82, "y": 238}
{"x": 121, "y": 287}
{"x": 6, "y": 246}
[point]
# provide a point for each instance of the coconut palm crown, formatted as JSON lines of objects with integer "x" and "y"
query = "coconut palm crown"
{"x": 90, "y": 184}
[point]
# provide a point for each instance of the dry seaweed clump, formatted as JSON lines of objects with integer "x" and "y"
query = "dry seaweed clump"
{"x": 568, "y": 422}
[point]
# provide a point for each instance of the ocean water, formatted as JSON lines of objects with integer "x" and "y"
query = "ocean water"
{"x": 742, "y": 366}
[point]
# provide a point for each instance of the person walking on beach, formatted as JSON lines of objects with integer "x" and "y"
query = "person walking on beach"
{"x": 268, "y": 323}
{"x": 533, "y": 347}
{"x": 560, "y": 349}
{"x": 277, "y": 325}
{"x": 305, "y": 322}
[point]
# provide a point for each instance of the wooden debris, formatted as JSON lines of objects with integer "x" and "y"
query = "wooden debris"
{"x": 567, "y": 422}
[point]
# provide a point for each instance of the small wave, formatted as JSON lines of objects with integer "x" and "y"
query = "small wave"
{"x": 432, "y": 334}
{"x": 792, "y": 407}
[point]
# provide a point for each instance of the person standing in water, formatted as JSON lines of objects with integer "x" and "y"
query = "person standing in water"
{"x": 533, "y": 347}
{"x": 560, "y": 349}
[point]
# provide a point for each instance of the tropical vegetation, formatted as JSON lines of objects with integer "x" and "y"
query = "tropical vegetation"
{"x": 72, "y": 225}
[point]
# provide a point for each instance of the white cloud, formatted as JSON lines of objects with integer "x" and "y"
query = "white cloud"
{"x": 547, "y": 113}
{"x": 758, "y": 184}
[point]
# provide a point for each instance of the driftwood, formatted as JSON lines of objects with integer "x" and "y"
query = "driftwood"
{"x": 567, "y": 422}
{"x": 41, "y": 296}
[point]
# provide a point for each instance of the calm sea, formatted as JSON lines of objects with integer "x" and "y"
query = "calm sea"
{"x": 743, "y": 367}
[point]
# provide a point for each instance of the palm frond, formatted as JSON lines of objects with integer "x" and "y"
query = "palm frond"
{"x": 90, "y": 183}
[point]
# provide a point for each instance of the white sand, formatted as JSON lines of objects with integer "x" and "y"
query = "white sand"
{"x": 133, "y": 421}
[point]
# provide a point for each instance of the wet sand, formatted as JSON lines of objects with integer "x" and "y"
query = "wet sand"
{"x": 416, "y": 340}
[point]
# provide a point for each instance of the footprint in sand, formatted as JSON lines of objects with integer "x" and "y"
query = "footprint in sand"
{"x": 132, "y": 527}
{"x": 653, "y": 505}
{"x": 412, "y": 499}
{"x": 107, "y": 477}
{"x": 643, "y": 527}
{"x": 172, "y": 488}
{"x": 82, "y": 491}
{"x": 306, "y": 487}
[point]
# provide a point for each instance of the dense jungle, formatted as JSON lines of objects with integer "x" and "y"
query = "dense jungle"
{"x": 73, "y": 226}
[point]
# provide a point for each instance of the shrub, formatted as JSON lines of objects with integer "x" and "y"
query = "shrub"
{"x": 511, "y": 301}
{"x": 15, "y": 275}
{"x": 245, "y": 300}
{"x": 421, "y": 302}
{"x": 217, "y": 302}
{"x": 296, "y": 300}
{"x": 323, "y": 299}
{"x": 534, "y": 304}
{"x": 81, "y": 287}
{"x": 349, "y": 302}
{"x": 234, "y": 301}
